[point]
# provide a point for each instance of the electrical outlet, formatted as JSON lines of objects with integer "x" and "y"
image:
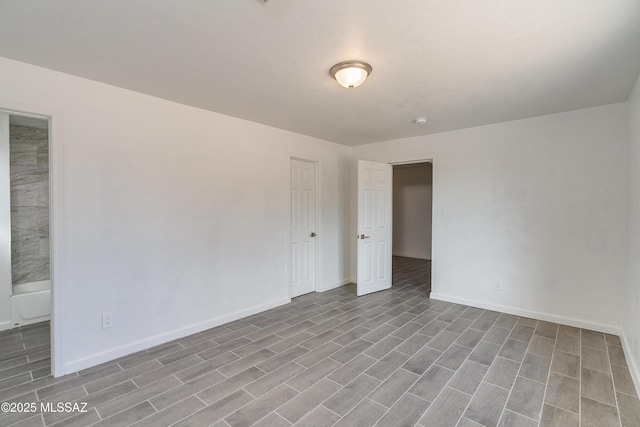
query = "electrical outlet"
{"x": 497, "y": 284}
{"x": 277, "y": 281}
{"x": 107, "y": 320}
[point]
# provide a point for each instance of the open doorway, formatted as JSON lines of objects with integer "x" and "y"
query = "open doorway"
{"x": 412, "y": 222}
{"x": 25, "y": 254}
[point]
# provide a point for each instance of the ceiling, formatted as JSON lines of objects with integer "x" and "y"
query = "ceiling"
{"x": 460, "y": 63}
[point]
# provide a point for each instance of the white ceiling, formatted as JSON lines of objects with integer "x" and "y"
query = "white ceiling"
{"x": 461, "y": 63}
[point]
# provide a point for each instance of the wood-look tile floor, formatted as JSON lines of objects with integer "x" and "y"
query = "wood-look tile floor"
{"x": 394, "y": 358}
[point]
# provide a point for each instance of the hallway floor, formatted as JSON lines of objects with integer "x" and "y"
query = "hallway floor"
{"x": 393, "y": 358}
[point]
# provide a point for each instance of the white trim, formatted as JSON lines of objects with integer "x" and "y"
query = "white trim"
{"x": 287, "y": 186}
{"x": 412, "y": 162}
{"x": 124, "y": 350}
{"x": 569, "y": 321}
{"x": 411, "y": 255}
{"x": 317, "y": 165}
{"x": 334, "y": 285}
{"x": 5, "y": 215}
{"x": 5, "y": 325}
{"x": 631, "y": 362}
{"x": 56, "y": 186}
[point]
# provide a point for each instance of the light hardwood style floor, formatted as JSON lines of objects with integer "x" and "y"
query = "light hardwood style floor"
{"x": 394, "y": 358}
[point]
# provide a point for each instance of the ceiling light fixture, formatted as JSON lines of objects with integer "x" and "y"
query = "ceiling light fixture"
{"x": 350, "y": 74}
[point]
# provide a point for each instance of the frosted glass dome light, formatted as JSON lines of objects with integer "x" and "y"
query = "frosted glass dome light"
{"x": 350, "y": 74}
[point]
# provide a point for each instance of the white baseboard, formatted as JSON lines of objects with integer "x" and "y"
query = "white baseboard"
{"x": 334, "y": 285}
{"x": 548, "y": 317}
{"x": 124, "y": 350}
{"x": 5, "y": 325}
{"x": 631, "y": 362}
{"x": 412, "y": 255}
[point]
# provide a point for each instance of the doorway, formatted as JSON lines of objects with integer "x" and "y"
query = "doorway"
{"x": 26, "y": 115}
{"x": 25, "y": 254}
{"x": 412, "y": 221}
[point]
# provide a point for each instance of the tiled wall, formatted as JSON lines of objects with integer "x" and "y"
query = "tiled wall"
{"x": 29, "y": 151}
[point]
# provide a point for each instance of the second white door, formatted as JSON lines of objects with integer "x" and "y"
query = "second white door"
{"x": 303, "y": 228}
{"x": 374, "y": 227}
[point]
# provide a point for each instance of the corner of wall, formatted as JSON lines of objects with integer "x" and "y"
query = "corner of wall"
{"x": 334, "y": 285}
{"x": 630, "y": 335}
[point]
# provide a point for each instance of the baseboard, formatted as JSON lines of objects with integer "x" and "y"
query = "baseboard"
{"x": 124, "y": 350}
{"x": 5, "y": 325}
{"x": 631, "y": 362}
{"x": 411, "y": 255}
{"x": 334, "y": 285}
{"x": 548, "y": 317}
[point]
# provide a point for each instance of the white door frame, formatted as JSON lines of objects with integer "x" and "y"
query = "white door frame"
{"x": 54, "y": 118}
{"x": 433, "y": 205}
{"x": 417, "y": 162}
{"x": 404, "y": 162}
{"x": 318, "y": 197}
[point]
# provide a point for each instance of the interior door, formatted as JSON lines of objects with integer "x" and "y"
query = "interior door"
{"x": 303, "y": 228}
{"x": 374, "y": 226}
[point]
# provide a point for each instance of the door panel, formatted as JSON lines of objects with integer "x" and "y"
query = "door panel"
{"x": 374, "y": 226}
{"x": 303, "y": 228}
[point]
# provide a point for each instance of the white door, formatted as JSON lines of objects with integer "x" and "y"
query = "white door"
{"x": 374, "y": 226}
{"x": 303, "y": 228}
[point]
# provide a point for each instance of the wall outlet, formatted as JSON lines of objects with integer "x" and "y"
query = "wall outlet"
{"x": 444, "y": 212}
{"x": 497, "y": 284}
{"x": 107, "y": 320}
{"x": 277, "y": 281}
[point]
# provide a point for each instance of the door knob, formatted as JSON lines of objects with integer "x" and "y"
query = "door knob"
{"x": 312, "y": 235}
{"x": 362, "y": 236}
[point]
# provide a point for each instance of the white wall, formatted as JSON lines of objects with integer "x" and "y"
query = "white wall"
{"x": 175, "y": 218}
{"x": 162, "y": 205}
{"x": 412, "y": 194}
{"x": 631, "y": 321}
{"x": 538, "y": 204}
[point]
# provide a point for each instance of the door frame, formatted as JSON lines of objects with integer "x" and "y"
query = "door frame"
{"x": 54, "y": 118}
{"x": 355, "y": 206}
{"x": 317, "y": 167}
{"x": 419, "y": 162}
{"x": 433, "y": 197}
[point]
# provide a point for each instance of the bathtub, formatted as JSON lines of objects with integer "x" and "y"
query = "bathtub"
{"x": 30, "y": 303}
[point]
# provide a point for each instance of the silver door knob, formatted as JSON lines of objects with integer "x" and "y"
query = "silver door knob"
{"x": 312, "y": 235}
{"x": 362, "y": 236}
